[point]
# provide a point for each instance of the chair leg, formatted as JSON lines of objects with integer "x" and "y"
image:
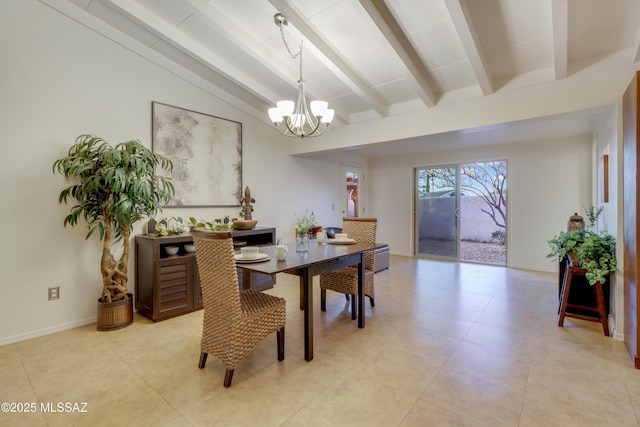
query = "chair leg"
{"x": 354, "y": 311}
{"x": 280, "y": 335}
{"x": 203, "y": 359}
{"x": 228, "y": 376}
{"x": 372, "y": 301}
{"x": 323, "y": 299}
{"x": 346, "y": 296}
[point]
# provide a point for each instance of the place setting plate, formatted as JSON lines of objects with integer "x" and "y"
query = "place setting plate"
{"x": 259, "y": 258}
{"x": 341, "y": 242}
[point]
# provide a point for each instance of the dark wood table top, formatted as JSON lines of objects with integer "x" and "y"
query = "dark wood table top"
{"x": 317, "y": 254}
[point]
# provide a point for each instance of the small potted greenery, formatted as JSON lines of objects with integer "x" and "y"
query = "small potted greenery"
{"x": 593, "y": 251}
{"x": 565, "y": 244}
{"x": 112, "y": 188}
{"x": 304, "y": 223}
{"x": 597, "y": 255}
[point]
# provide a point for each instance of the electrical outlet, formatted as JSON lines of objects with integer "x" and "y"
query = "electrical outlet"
{"x": 54, "y": 293}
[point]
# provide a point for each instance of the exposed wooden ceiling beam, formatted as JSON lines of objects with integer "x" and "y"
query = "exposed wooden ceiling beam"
{"x": 560, "y": 17}
{"x": 417, "y": 72}
{"x": 173, "y": 36}
{"x": 463, "y": 24}
{"x": 332, "y": 60}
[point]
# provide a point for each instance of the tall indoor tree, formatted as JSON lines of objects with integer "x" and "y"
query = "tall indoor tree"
{"x": 112, "y": 188}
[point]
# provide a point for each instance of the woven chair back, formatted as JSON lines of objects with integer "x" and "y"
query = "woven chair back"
{"x": 362, "y": 230}
{"x": 218, "y": 274}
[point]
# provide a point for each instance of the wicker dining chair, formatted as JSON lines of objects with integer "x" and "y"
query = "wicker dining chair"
{"x": 345, "y": 280}
{"x": 234, "y": 321}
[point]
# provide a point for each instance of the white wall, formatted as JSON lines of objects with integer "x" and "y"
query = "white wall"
{"x": 608, "y": 140}
{"x": 58, "y": 80}
{"x": 547, "y": 182}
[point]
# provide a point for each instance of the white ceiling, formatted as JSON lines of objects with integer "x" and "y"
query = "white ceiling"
{"x": 373, "y": 58}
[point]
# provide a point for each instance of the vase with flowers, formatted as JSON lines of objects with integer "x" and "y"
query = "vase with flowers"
{"x": 304, "y": 223}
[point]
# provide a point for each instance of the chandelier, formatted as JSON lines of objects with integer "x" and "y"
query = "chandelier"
{"x": 295, "y": 119}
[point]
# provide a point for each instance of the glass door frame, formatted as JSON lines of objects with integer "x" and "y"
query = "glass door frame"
{"x": 416, "y": 220}
{"x": 491, "y": 177}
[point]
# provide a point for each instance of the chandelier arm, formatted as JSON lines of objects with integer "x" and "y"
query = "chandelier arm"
{"x": 291, "y": 133}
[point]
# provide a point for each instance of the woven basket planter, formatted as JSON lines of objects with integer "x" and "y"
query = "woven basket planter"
{"x": 115, "y": 315}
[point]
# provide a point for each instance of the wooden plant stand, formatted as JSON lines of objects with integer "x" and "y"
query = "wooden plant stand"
{"x": 600, "y": 309}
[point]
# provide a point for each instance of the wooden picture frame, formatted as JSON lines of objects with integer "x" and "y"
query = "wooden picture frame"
{"x": 206, "y": 152}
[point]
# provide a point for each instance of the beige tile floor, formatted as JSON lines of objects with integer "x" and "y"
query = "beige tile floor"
{"x": 448, "y": 344}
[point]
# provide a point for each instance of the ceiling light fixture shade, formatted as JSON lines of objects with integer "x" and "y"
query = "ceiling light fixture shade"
{"x": 295, "y": 119}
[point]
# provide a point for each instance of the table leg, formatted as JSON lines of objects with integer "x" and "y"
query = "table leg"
{"x": 246, "y": 279}
{"x": 302, "y": 285}
{"x": 307, "y": 280}
{"x": 361, "y": 291}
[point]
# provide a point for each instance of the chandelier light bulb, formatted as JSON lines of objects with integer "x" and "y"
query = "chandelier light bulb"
{"x": 286, "y": 107}
{"x": 327, "y": 117}
{"x": 275, "y": 116}
{"x": 318, "y": 108}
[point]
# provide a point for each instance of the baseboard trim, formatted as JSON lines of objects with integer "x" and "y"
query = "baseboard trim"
{"x": 47, "y": 331}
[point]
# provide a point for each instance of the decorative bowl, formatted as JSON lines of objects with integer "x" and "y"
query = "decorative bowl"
{"x": 190, "y": 247}
{"x": 171, "y": 250}
{"x": 245, "y": 224}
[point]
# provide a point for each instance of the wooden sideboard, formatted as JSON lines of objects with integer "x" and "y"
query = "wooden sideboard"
{"x": 168, "y": 285}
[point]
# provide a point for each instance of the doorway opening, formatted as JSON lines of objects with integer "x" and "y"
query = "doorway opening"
{"x": 353, "y": 204}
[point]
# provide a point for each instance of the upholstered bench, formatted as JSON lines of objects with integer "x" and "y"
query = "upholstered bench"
{"x": 382, "y": 259}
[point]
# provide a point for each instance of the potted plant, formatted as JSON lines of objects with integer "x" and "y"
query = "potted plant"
{"x": 112, "y": 188}
{"x": 304, "y": 223}
{"x": 593, "y": 251}
{"x": 597, "y": 255}
{"x": 565, "y": 243}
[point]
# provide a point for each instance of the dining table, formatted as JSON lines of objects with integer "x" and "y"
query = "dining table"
{"x": 320, "y": 258}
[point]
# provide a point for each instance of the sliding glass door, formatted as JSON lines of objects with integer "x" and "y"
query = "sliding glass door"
{"x": 436, "y": 219}
{"x": 460, "y": 212}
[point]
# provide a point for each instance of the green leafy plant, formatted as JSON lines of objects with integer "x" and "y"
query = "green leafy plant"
{"x": 593, "y": 214}
{"x": 500, "y": 236}
{"x": 595, "y": 252}
{"x": 305, "y": 223}
{"x": 565, "y": 242}
{"x": 178, "y": 226}
{"x": 597, "y": 255}
{"x": 113, "y": 187}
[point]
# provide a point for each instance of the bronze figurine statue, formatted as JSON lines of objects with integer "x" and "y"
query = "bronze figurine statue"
{"x": 246, "y": 204}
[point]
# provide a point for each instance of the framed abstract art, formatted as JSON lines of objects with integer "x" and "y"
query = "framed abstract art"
{"x": 206, "y": 152}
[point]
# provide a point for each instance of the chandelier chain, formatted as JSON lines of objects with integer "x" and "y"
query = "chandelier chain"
{"x": 293, "y": 56}
{"x": 284, "y": 40}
